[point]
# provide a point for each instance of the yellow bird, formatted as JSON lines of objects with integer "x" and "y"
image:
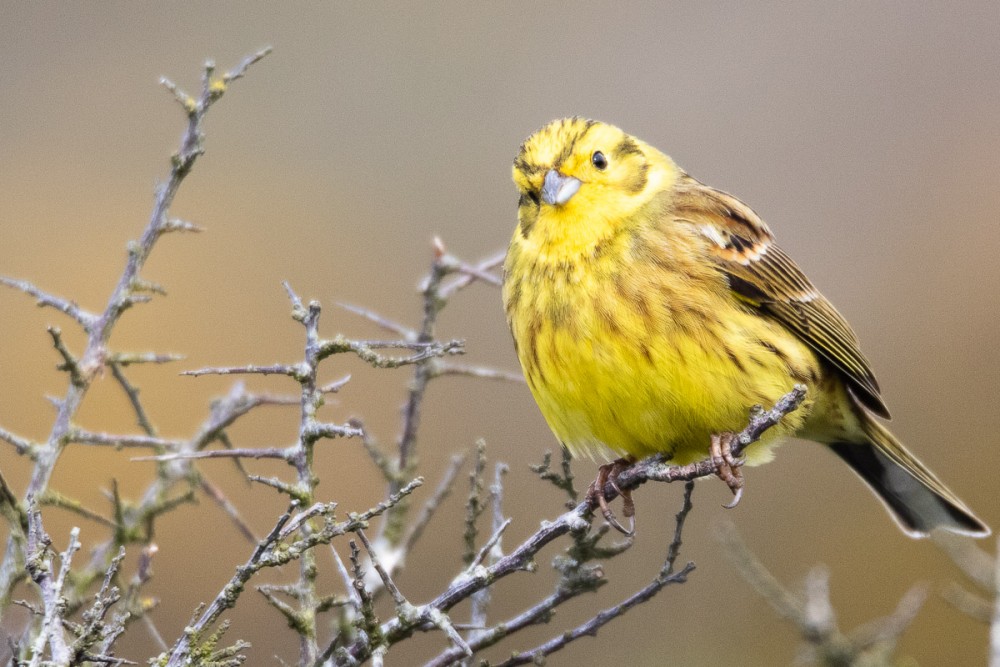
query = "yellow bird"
{"x": 650, "y": 312}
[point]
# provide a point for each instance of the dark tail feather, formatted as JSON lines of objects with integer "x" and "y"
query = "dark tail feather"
{"x": 915, "y": 497}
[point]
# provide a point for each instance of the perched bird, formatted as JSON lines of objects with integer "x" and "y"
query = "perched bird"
{"x": 650, "y": 312}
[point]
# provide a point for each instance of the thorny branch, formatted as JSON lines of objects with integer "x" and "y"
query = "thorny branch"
{"x": 130, "y": 523}
{"x": 436, "y": 291}
{"x": 577, "y": 522}
{"x": 41, "y": 569}
{"x": 130, "y": 290}
{"x": 274, "y": 551}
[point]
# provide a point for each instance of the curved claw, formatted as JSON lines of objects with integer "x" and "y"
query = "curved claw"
{"x": 737, "y": 495}
{"x": 607, "y": 474}
{"x": 609, "y": 516}
{"x": 727, "y": 466}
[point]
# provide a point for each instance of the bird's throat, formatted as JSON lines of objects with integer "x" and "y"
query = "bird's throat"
{"x": 563, "y": 236}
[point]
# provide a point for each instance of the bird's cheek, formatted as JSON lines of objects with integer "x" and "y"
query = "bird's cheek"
{"x": 527, "y": 216}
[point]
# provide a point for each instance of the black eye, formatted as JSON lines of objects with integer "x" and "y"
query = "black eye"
{"x": 599, "y": 160}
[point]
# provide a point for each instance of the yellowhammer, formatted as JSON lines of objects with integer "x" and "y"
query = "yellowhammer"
{"x": 650, "y": 312}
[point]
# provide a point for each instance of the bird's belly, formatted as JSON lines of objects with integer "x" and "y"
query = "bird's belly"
{"x": 630, "y": 388}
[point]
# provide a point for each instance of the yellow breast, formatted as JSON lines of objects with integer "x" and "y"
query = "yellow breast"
{"x": 628, "y": 356}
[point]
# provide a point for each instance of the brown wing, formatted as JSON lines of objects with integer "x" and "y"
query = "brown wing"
{"x": 762, "y": 274}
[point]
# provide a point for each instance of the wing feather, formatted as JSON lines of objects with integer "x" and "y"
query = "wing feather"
{"x": 762, "y": 274}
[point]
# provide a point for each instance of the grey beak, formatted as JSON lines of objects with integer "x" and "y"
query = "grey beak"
{"x": 558, "y": 189}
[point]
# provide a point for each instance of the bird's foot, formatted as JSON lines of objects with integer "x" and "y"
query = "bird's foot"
{"x": 727, "y": 466}
{"x": 608, "y": 474}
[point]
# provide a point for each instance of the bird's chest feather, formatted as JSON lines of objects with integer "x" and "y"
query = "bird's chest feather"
{"x": 635, "y": 364}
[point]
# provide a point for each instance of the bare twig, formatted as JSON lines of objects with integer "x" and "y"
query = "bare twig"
{"x": 126, "y": 293}
{"x": 404, "y": 609}
{"x": 290, "y": 370}
{"x": 267, "y": 555}
{"x": 95, "y": 631}
{"x": 407, "y": 333}
{"x": 368, "y": 621}
{"x": 431, "y": 506}
{"x": 70, "y": 363}
{"x": 365, "y": 350}
{"x": 469, "y": 273}
{"x": 814, "y": 616}
{"x": 44, "y": 299}
{"x": 40, "y": 568}
{"x": 132, "y": 392}
{"x": 216, "y": 494}
{"x": 576, "y": 520}
{"x": 336, "y": 385}
{"x": 387, "y": 581}
{"x": 433, "y": 303}
{"x": 23, "y": 446}
{"x": 228, "y": 595}
{"x": 883, "y": 633}
{"x": 177, "y": 225}
{"x": 538, "y": 613}
{"x": 352, "y": 595}
{"x": 123, "y": 441}
{"x": 125, "y": 359}
{"x": 675, "y": 544}
{"x": 12, "y": 511}
{"x": 967, "y": 602}
{"x": 585, "y": 579}
{"x": 252, "y": 453}
{"x": 474, "y": 503}
{"x": 590, "y": 627}
{"x": 55, "y": 499}
{"x": 489, "y": 548}
{"x": 493, "y": 549}
{"x": 444, "y": 368}
{"x": 983, "y": 569}
{"x": 435, "y": 296}
{"x": 386, "y": 465}
{"x": 563, "y": 481}
{"x": 975, "y": 563}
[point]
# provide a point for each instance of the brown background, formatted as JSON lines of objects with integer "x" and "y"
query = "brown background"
{"x": 866, "y": 134}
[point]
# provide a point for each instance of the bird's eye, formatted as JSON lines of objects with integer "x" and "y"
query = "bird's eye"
{"x": 599, "y": 161}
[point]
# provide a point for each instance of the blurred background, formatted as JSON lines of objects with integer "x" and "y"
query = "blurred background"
{"x": 865, "y": 134}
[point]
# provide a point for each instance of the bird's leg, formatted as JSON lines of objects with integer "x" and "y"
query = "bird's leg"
{"x": 608, "y": 474}
{"x": 727, "y": 466}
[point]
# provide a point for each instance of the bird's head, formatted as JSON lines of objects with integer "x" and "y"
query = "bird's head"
{"x": 579, "y": 179}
